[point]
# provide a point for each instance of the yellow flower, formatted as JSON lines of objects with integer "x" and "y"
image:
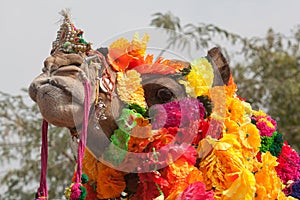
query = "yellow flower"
{"x": 250, "y": 138}
{"x": 129, "y": 88}
{"x": 268, "y": 184}
{"x": 200, "y": 79}
{"x": 235, "y": 110}
{"x": 248, "y": 110}
{"x": 231, "y": 126}
{"x": 224, "y": 169}
{"x": 218, "y": 98}
{"x": 259, "y": 113}
{"x": 138, "y": 47}
{"x": 242, "y": 188}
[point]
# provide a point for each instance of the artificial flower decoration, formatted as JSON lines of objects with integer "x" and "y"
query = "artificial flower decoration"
{"x": 250, "y": 139}
{"x": 200, "y": 79}
{"x": 207, "y": 144}
{"x": 159, "y": 66}
{"x": 295, "y": 190}
{"x": 288, "y": 165}
{"x": 196, "y": 190}
{"x": 229, "y": 181}
{"x": 123, "y": 54}
{"x": 130, "y": 89}
{"x": 268, "y": 184}
{"x": 110, "y": 182}
{"x": 177, "y": 113}
{"x": 235, "y": 110}
{"x": 265, "y": 124}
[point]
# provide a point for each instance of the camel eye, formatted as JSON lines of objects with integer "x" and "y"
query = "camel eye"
{"x": 164, "y": 95}
{"x": 159, "y": 89}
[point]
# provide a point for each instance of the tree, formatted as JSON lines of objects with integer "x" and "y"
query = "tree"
{"x": 269, "y": 78}
{"x": 20, "y": 151}
{"x": 266, "y": 69}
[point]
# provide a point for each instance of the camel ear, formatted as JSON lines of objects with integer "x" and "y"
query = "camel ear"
{"x": 220, "y": 65}
{"x": 103, "y": 50}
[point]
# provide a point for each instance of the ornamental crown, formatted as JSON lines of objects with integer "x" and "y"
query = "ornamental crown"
{"x": 69, "y": 39}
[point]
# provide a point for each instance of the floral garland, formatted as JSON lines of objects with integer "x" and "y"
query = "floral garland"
{"x": 223, "y": 151}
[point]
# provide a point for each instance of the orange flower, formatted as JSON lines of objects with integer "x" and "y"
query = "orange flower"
{"x": 268, "y": 184}
{"x": 137, "y": 47}
{"x": 110, "y": 182}
{"x": 122, "y": 53}
{"x": 231, "y": 126}
{"x": 119, "y": 59}
{"x": 139, "y": 138}
{"x": 160, "y": 66}
{"x": 89, "y": 165}
{"x": 231, "y": 87}
{"x": 250, "y": 138}
{"x": 180, "y": 175}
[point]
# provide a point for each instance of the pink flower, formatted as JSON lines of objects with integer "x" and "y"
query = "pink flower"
{"x": 265, "y": 124}
{"x": 177, "y": 113}
{"x": 289, "y": 164}
{"x": 196, "y": 191}
{"x": 75, "y": 191}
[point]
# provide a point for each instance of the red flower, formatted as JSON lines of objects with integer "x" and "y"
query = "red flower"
{"x": 202, "y": 132}
{"x": 289, "y": 164}
{"x": 147, "y": 188}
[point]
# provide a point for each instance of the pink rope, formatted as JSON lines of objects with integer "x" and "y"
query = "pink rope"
{"x": 83, "y": 135}
{"x": 42, "y": 192}
{"x": 43, "y": 189}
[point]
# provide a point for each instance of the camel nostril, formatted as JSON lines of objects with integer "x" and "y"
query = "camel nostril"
{"x": 51, "y": 81}
{"x": 44, "y": 69}
{"x": 164, "y": 95}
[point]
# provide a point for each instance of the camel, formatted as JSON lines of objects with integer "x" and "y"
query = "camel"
{"x": 59, "y": 93}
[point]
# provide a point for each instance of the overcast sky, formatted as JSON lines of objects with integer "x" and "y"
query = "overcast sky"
{"x": 29, "y": 27}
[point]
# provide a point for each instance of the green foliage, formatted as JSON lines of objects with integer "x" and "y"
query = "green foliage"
{"x": 190, "y": 36}
{"x": 266, "y": 69}
{"x": 20, "y": 144}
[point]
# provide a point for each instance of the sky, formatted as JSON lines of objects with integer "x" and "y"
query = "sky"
{"x": 29, "y": 27}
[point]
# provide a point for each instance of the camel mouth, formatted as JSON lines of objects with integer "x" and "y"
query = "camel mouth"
{"x": 54, "y": 83}
{"x": 65, "y": 80}
{"x": 62, "y": 89}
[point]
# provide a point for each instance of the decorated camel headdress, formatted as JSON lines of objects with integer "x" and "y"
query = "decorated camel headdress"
{"x": 174, "y": 129}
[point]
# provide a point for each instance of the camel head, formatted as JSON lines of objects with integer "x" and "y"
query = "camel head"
{"x": 59, "y": 89}
{"x": 119, "y": 76}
